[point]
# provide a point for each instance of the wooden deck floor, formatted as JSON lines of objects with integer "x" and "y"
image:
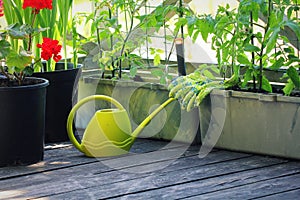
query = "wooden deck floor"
{"x": 152, "y": 170}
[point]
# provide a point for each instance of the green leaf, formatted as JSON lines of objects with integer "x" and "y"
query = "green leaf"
{"x": 5, "y": 48}
{"x": 157, "y": 73}
{"x": 159, "y": 50}
{"x": 133, "y": 71}
{"x": 251, "y": 48}
{"x": 293, "y": 58}
{"x": 195, "y": 35}
{"x": 15, "y": 32}
{"x": 156, "y": 60}
{"x": 277, "y": 64}
{"x": 294, "y": 76}
{"x": 273, "y": 21}
{"x": 266, "y": 84}
{"x": 162, "y": 80}
{"x": 288, "y": 88}
{"x": 28, "y": 71}
{"x": 20, "y": 60}
{"x": 170, "y": 77}
{"x": 247, "y": 77}
{"x": 191, "y": 25}
{"x": 242, "y": 59}
{"x": 190, "y": 30}
{"x": 294, "y": 26}
{"x": 272, "y": 40}
{"x": 205, "y": 27}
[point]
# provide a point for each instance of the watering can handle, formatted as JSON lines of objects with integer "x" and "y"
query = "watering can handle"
{"x": 77, "y": 106}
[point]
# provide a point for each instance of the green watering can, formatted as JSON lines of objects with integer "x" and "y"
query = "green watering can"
{"x": 109, "y": 131}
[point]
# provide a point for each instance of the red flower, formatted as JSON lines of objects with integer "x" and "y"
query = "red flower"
{"x": 1, "y": 8}
{"x": 50, "y": 47}
{"x": 38, "y": 4}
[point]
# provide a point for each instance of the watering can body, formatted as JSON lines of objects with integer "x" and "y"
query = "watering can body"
{"x": 107, "y": 134}
{"x": 109, "y": 131}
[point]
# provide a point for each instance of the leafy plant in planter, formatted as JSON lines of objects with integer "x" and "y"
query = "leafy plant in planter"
{"x": 22, "y": 138}
{"x": 268, "y": 48}
{"x": 116, "y": 45}
{"x": 259, "y": 121}
{"x": 110, "y": 43}
{"x": 246, "y": 47}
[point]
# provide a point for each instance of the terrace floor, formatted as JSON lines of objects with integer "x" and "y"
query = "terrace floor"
{"x": 152, "y": 170}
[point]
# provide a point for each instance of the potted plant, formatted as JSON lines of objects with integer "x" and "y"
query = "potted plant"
{"x": 63, "y": 76}
{"x": 23, "y": 98}
{"x": 252, "y": 115}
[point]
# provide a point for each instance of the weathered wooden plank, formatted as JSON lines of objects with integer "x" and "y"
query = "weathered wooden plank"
{"x": 256, "y": 190}
{"x": 97, "y": 174}
{"x": 292, "y": 195}
{"x": 158, "y": 179}
{"x": 99, "y": 167}
{"x": 195, "y": 188}
{"x": 64, "y": 155}
{"x": 53, "y": 159}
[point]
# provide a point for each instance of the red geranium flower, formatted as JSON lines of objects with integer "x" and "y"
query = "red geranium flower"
{"x": 38, "y": 4}
{"x": 50, "y": 47}
{"x": 1, "y": 8}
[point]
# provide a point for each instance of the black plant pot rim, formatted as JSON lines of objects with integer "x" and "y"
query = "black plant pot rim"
{"x": 60, "y": 70}
{"x": 43, "y": 83}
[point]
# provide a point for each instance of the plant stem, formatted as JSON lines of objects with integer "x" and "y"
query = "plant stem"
{"x": 97, "y": 31}
{"x": 35, "y": 12}
{"x": 124, "y": 43}
{"x": 19, "y": 77}
{"x": 4, "y": 72}
{"x": 252, "y": 53}
{"x": 264, "y": 45}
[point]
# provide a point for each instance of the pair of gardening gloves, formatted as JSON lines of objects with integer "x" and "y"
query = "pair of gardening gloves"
{"x": 190, "y": 90}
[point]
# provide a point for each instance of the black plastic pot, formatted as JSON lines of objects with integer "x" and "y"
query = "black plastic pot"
{"x": 61, "y": 96}
{"x": 22, "y": 123}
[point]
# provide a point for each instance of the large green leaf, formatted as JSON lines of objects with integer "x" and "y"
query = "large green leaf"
{"x": 243, "y": 59}
{"x": 294, "y": 26}
{"x": 191, "y": 25}
{"x": 272, "y": 40}
{"x": 251, "y": 48}
{"x": 278, "y": 63}
{"x": 247, "y": 77}
{"x": 288, "y": 88}
{"x": 266, "y": 84}
{"x": 20, "y": 60}
{"x": 204, "y": 28}
{"x": 294, "y": 76}
{"x": 15, "y": 32}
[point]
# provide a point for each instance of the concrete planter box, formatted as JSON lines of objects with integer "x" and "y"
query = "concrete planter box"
{"x": 250, "y": 122}
{"x": 139, "y": 98}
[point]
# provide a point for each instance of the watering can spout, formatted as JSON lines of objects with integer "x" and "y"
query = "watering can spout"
{"x": 109, "y": 131}
{"x": 147, "y": 120}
